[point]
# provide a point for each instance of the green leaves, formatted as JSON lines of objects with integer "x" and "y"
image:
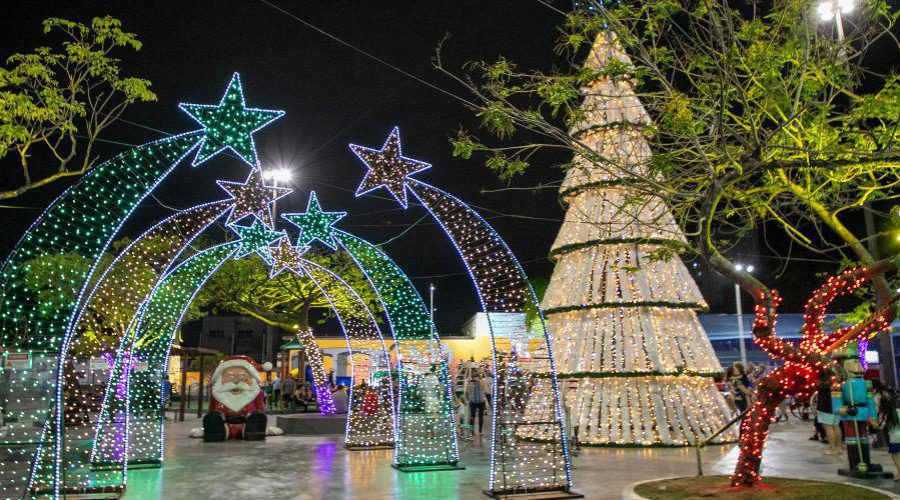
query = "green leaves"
{"x": 60, "y": 99}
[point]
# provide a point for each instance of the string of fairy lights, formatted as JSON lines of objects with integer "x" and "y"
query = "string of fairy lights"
{"x": 370, "y": 412}
{"x": 324, "y": 400}
{"x": 637, "y": 364}
{"x": 83, "y": 220}
{"x": 799, "y": 374}
{"x": 517, "y": 465}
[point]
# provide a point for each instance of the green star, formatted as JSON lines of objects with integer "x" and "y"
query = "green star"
{"x": 230, "y": 124}
{"x": 315, "y": 224}
{"x": 255, "y": 238}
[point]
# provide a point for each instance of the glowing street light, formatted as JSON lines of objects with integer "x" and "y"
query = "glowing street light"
{"x": 279, "y": 175}
{"x": 834, "y": 9}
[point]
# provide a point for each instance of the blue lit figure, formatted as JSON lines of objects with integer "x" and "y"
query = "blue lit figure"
{"x": 856, "y": 407}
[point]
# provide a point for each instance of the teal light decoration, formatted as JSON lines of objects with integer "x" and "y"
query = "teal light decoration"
{"x": 315, "y": 224}
{"x": 529, "y": 451}
{"x": 85, "y": 219}
{"x": 255, "y": 238}
{"x": 229, "y": 124}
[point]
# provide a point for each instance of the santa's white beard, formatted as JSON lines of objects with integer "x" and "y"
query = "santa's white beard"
{"x": 234, "y": 402}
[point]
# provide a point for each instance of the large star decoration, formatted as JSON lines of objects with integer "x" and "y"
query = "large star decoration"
{"x": 315, "y": 224}
{"x": 286, "y": 257}
{"x": 252, "y": 197}
{"x": 230, "y": 124}
{"x": 255, "y": 238}
{"x": 387, "y": 167}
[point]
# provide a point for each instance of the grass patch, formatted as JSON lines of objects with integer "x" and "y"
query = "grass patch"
{"x": 770, "y": 487}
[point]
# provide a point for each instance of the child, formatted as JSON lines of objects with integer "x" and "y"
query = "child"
{"x": 889, "y": 419}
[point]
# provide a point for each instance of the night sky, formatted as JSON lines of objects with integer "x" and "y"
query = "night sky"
{"x": 333, "y": 96}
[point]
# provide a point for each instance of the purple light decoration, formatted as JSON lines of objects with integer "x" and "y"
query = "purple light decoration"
{"x": 326, "y": 403}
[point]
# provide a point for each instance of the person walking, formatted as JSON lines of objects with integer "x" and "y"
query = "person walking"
{"x": 476, "y": 394}
{"x": 288, "y": 385}
{"x": 889, "y": 420}
{"x": 824, "y": 414}
{"x": 276, "y": 392}
{"x": 740, "y": 386}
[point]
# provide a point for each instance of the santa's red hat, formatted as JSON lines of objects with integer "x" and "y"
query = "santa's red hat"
{"x": 244, "y": 362}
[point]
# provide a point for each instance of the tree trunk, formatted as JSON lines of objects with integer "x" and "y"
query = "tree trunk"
{"x": 779, "y": 384}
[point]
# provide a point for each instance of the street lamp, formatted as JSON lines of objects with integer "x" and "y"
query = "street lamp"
{"x": 277, "y": 176}
{"x": 834, "y": 9}
{"x": 431, "y": 306}
{"x": 740, "y": 318}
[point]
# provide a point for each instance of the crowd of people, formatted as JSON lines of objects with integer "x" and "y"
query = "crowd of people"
{"x": 290, "y": 392}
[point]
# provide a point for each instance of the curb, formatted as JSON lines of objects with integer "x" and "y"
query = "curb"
{"x": 629, "y": 494}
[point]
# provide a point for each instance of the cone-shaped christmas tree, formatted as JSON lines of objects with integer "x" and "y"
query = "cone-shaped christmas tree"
{"x": 636, "y": 363}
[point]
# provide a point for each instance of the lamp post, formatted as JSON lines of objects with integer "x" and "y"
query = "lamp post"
{"x": 277, "y": 176}
{"x": 834, "y": 9}
{"x": 740, "y": 312}
{"x": 431, "y": 306}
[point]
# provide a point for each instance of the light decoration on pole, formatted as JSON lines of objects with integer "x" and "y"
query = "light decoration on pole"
{"x": 798, "y": 376}
{"x": 314, "y": 355}
{"x": 518, "y": 465}
{"x": 638, "y": 366}
{"x": 84, "y": 220}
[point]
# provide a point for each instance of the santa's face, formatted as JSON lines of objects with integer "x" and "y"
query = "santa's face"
{"x": 235, "y": 388}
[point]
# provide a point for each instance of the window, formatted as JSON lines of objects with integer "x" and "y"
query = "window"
{"x": 244, "y": 334}
{"x": 217, "y": 334}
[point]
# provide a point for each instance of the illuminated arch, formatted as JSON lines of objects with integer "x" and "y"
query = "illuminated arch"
{"x": 426, "y": 437}
{"x": 528, "y": 444}
{"x": 135, "y": 414}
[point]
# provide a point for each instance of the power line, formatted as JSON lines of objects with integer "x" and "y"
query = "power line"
{"x": 367, "y": 54}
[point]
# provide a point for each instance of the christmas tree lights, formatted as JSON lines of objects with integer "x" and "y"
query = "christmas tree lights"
{"x": 517, "y": 466}
{"x": 638, "y": 366}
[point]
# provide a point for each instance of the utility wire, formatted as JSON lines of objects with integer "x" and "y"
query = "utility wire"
{"x": 369, "y": 55}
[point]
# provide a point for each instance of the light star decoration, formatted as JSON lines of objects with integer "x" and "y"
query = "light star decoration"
{"x": 252, "y": 197}
{"x": 387, "y": 167}
{"x": 230, "y": 124}
{"x": 255, "y": 238}
{"x": 315, "y": 224}
{"x": 286, "y": 256}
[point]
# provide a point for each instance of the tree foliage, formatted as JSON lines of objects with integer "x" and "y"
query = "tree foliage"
{"x": 59, "y": 100}
{"x": 243, "y": 286}
{"x": 108, "y": 314}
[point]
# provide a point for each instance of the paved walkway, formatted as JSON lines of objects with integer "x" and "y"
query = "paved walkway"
{"x": 294, "y": 467}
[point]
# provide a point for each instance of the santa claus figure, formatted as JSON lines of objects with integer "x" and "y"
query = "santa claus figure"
{"x": 236, "y": 403}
